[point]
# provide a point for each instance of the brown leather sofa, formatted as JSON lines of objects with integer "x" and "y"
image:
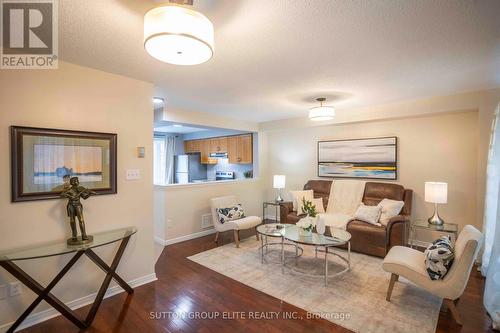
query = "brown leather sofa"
{"x": 366, "y": 238}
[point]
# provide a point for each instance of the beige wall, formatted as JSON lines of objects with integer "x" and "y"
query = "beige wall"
{"x": 179, "y": 208}
{"x": 435, "y": 148}
{"x": 78, "y": 98}
{"x": 185, "y": 205}
{"x": 443, "y": 138}
{"x": 484, "y": 102}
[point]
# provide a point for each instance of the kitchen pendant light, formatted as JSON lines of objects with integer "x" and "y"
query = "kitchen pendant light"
{"x": 178, "y": 35}
{"x": 321, "y": 113}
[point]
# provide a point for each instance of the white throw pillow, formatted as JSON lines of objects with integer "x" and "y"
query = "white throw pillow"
{"x": 369, "y": 214}
{"x": 318, "y": 202}
{"x": 390, "y": 208}
{"x": 297, "y": 197}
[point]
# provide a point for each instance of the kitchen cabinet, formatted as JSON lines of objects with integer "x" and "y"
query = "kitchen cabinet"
{"x": 205, "y": 152}
{"x": 218, "y": 145}
{"x": 240, "y": 149}
{"x": 192, "y": 146}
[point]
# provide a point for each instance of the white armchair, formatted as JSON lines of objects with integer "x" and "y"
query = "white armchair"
{"x": 409, "y": 263}
{"x": 247, "y": 222}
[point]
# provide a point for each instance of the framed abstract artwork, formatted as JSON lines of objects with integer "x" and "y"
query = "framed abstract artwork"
{"x": 43, "y": 160}
{"x": 358, "y": 158}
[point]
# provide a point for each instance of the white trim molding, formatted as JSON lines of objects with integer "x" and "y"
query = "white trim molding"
{"x": 166, "y": 242}
{"x": 44, "y": 315}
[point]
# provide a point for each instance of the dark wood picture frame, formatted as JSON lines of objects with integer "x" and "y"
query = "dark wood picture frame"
{"x": 17, "y": 178}
{"x": 396, "y": 152}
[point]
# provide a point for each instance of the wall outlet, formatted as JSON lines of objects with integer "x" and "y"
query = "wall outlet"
{"x": 206, "y": 221}
{"x": 16, "y": 288}
{"x": 133, "y": 174}
{"x": 3, "y": 291}
{"x": 169, "y": 224}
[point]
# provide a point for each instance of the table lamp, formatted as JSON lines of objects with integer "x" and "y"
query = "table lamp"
{"x": 279, "y": 183}
{"x": 436, "y": 193}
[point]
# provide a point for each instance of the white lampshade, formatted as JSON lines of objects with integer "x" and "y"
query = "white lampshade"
{"x": 178, "y": 35}
{"x": 279, "y": 181}
{"x": 321, "y": 113}
{"x": 436, "y": 192}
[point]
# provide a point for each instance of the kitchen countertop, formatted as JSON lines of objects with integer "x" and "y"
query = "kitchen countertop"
{"x": 207, "y": 183}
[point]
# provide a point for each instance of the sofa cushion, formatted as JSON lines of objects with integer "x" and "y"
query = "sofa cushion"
{"x": 321, "y": 189}
{"x": 368, "y": 232}
{"x": 376, "y": 192}
{"x": 241, "y": 224}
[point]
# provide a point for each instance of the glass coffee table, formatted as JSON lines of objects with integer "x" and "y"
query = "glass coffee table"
{"x": 322, "y": 244}
{"x": 275, "y": 230}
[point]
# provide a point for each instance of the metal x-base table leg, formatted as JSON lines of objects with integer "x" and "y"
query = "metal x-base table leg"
{"x": 44, "y": 294}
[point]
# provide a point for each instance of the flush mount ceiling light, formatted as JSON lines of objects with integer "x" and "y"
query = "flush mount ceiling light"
{"x": 178, "y": 35}
{"x": 320, "y": 113}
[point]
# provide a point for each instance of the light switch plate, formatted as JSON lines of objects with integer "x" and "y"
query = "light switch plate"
{"x": 133, "y": 174}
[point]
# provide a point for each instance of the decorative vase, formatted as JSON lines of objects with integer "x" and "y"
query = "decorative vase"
{"x": 320, "y": 226}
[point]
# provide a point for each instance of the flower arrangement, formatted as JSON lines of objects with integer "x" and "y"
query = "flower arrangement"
{"x": 309, "y": 208}
{"x": 308, "y": 223}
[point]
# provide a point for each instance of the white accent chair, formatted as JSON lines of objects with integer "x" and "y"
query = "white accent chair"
{"x": 247, "y": 222}
{"x": 409, "y": 263}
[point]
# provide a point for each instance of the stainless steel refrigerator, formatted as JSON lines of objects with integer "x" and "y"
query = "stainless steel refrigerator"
{"x": 188, "y": 168}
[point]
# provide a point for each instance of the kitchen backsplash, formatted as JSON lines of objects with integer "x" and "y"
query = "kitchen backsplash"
{"x": 223, "y": 165}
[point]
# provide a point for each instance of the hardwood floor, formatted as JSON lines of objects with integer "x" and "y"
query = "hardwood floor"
{"x": 184, "y": 286}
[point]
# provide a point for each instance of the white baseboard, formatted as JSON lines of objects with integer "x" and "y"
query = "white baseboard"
{"x": 166, "y": 242}
{"x": 44, "y": 315}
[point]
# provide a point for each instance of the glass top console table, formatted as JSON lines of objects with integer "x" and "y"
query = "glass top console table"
{"x": 8, "y": 259}
{"x": 447, "y": 228}
{"x": 277, "y": 207}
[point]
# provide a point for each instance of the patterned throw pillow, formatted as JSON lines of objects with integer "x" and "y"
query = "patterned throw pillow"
{"x": 230, "y": 213}
{"x": 439, "y": 258}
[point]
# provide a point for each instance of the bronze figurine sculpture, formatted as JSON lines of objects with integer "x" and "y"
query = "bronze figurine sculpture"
{"x": 74, "y": 209}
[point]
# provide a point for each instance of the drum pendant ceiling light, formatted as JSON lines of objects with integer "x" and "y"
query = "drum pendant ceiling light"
{"x": 178, "y": 35}
{"x": 320, "y": 113}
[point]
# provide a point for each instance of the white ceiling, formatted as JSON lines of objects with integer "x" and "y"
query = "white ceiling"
{"x": 178, "y": 130}
{"x": 274, "y": 57}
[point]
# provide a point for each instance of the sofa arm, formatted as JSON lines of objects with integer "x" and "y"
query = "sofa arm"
{"x": 285, "y": 209}
{"x": 397, "y": 231}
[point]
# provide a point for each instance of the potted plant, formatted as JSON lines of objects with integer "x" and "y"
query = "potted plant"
{"x": 307, "y": 223}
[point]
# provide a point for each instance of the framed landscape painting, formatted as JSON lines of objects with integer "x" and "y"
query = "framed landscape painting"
{"x": 358, "y": 158}
{"x": 43, "y": 161}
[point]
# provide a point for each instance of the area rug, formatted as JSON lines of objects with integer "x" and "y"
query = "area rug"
{"x": 354, "y": 300}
